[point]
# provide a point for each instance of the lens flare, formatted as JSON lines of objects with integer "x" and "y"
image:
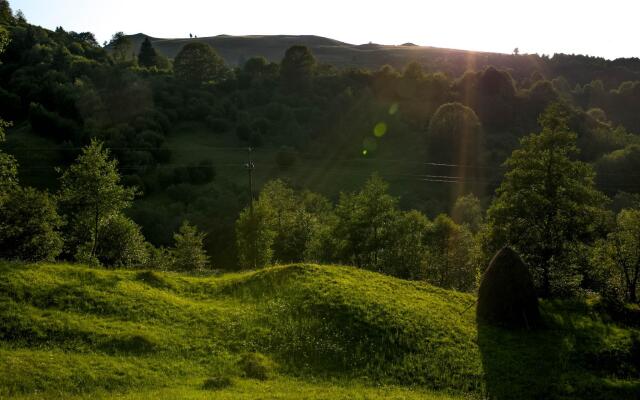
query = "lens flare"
{"x": 380, "y": 129}
{"x": 394, "y": 108}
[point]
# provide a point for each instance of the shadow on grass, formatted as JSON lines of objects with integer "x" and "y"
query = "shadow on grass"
{"x": 521, "y": 364}
{"x": 576, "y": 356}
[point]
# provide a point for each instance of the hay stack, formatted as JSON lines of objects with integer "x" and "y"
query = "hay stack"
{"x": 507, "y": 296}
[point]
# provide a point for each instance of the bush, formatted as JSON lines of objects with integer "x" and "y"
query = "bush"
{"x": 256, "y": 366}
{"x": 29, "y": 226}
{"x": 507, "y": 296}
{"x": 121, "y": 244}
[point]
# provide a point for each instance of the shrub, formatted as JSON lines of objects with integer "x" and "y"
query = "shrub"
{"x": 507, "y": 296}
{"x": 29, "y": 226}
{"x": 121, "y": 243}
{"x": 256, "y": 366}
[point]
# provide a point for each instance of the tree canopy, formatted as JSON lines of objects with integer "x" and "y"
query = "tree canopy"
{"x": 199, "y": 63}
{"x": 547, "y": 205}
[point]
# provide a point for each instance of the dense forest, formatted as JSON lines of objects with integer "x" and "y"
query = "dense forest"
{"x": 123, "y": 156}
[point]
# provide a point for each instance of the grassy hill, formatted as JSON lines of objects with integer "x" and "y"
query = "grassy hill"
{"x": 305, "y": 331}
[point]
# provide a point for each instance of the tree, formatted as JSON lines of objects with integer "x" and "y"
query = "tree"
{"x": 148, "y": 56}
{"x": 188, "y": 251}
{"x": 255, "y": 236}
{"x": 91, "y": 194}
{"x": 8, "y": 173}
{"x": 289, "y": 221}
{"x": 451, "y": 254}
{"x": 455, "y": 136}
{"x": 6, "y": 14}
{"x": 547, "y": 204}
{"x": 468, "y": 211}
{"x": 365, "y": 220}
{"x": 624, "y": 250}
{"x": 29, "y": 226}
{"x": 615, "y": 168}
{"x": 8, "y": 164}
{"x": 199, "y": 63}
{"x": 406, "y": 256}
{"x": 121, "y": 47}
{"x": 297, "y": 67}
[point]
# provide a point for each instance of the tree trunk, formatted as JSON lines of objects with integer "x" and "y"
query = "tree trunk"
{"x": 95, "y": 235}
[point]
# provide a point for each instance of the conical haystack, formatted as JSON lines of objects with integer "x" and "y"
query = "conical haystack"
{"x": 507, "y": 296}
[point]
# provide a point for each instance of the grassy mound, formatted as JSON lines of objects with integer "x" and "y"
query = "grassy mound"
{"x": 310, "y": 331}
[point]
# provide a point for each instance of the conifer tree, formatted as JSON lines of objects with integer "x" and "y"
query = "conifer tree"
{"x": 188, "y": 252}
{"x": 148, "y": 57}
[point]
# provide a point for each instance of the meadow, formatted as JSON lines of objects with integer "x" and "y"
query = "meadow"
{"x": 295, "y": 331}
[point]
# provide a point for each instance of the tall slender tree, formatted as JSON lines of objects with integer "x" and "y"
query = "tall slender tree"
{"x": 148, "y": 56}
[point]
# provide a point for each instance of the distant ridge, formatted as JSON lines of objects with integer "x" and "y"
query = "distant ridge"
{"x": 237, "y": 49}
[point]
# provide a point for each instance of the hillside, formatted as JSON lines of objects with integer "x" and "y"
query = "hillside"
{"x": 321, "y": 331}
{"x": 237, "y": 49}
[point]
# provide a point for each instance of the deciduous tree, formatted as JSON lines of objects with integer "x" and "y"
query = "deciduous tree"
{"x": 547, "y": 204}
{"x": 199, "y": 63}
{"x": 91, "y": 194}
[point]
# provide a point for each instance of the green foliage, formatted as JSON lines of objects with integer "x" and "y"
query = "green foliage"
{"x": 91, "y": 195}
{"x": 364, "y": 222}
{"x": 199, "y": 63}
{"x": 122, "y": 243}
{"x": 468, "y": 211}
{"x": 451, "y": 255}
{"x": 297, "y": 67}
{"x": 122, "y": 47}
{"x": 614, "y": 169}
{"x": 507, "y": 296}
{"x": 547, "y": 204}
{"x": 619, "y": 254}
{"x": 406, "y": 257}
{"x": 29, "y": 226}
{"x": 255, "y": 236}
{"x": 148, "y": 56}
{"x": 8, "y": 174}
{"x": 455, "y": 135}
{"x": 188, "y": 251}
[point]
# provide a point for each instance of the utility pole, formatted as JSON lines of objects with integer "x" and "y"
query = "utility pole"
{"x": 250, "y": 166}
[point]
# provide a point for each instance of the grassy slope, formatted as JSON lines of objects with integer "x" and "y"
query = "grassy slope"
{"x": 328, "y": 172}
{"x": 333, "y": 332}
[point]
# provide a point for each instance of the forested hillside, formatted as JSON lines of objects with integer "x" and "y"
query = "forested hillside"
{"x": 436, "y": 126}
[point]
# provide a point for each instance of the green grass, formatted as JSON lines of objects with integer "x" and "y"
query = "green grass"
{"x": 328, "y": 169}
{"x": 319, "y": 332}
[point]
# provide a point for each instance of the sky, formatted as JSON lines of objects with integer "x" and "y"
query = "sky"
{"x": 601, "y": 28}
